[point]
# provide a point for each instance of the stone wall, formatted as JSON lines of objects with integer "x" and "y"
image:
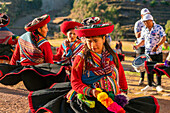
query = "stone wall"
{"x": 49, "y": 5}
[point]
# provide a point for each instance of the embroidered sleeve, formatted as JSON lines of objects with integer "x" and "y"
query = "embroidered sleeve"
{"x": 15, "y": 56}
{"x": 76, "y": 77}
{"x": 48, "y": 55}
{"x": 124, "y": 90}
{"x": 87, "y": 91}
{"x": 58, "y": 55}
{"x": 122, "y": 78}
{"x": 68, "y": 52}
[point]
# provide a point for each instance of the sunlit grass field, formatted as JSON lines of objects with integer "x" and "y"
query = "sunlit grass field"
{"x": 127, "y": 46}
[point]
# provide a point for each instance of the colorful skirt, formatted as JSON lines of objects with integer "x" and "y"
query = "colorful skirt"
{"x": 53, "y": 100}
{"x": 162, "y": 70}
{"x": 36, "y": 77}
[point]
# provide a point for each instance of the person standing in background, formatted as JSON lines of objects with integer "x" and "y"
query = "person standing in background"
{"x": 137, "y": 30}
{"x": 70, "y": 46}
{"x": 153, "y": 36}
{"x": 118, "y": 47}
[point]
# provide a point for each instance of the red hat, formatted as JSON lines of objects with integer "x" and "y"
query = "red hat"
{"x": 65, "y": 26}
{"x": 94, "y": 30}
{"x": 91, "y": 20}
{"x": 37, "y": 22}
{"x": 4, "y": 19}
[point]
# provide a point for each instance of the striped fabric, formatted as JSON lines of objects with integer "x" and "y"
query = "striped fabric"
{"x": 87, "y": 90}
{"x": 5, "y": 35}
{"x": 103, "y": 76}
{"x": 105, "y": 70}
{"x": 71, "y": 95}
{"x": 110, "y": 80}
{"x": 96, "y": 58}
{"x": 28, "y": 49}
{"x": 107, "y": 77}
{"x": 75, "y": 48}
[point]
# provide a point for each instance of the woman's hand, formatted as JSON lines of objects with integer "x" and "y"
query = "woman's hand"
{"x": 67, "y": 43}
{"x": 95, "y": 92}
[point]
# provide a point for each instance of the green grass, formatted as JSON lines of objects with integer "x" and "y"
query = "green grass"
{"x": 126, "y": 46}
{"x": 56, "y": 42}
{"x": 132, "y": 73}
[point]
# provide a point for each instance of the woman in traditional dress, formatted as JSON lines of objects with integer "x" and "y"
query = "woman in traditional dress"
{"x": 33, "y": 48}
{"x": 159, "y": 69}
{"x": 97, "y": 79}
{"x": 71, "y": 46}
{"x": 7, "y": 39}
{"x": 33, "y": 52}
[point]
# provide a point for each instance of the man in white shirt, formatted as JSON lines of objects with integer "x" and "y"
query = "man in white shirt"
{"x": 152, "y": 36}
{"x": 137, "y": 30}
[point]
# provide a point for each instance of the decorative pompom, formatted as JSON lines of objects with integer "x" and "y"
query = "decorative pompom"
{"x": 102, "y": 96}
{"x": 114, "y": 107}
{"x": 89, "y": 103}
{"x": 107, "y": 102}
{"x": 167, "y": 63}
{"x": 111, "y": 95}
{"x": 121, "y": 99}
{"x": 98, "y": 89}
{"x": 80, "y": 96}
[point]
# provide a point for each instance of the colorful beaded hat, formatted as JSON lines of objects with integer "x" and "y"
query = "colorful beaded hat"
{"x": 37, "y": 22}
{"x": 65, "y": 26}
{"x": 94, "y": 30}
{"x": 4, "y": 19}
{"x": 91, "y": 20}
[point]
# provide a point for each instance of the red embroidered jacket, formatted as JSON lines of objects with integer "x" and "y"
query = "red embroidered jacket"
{"x": 80, "y": 87}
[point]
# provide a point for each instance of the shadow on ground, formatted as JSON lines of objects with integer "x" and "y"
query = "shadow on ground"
{"x": 13, "y": 91}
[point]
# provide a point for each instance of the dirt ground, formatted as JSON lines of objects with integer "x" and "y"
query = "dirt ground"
{"x": 14, "y": 99}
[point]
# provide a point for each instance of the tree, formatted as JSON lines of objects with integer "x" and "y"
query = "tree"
{"x": 167, "y": 29}
{"x": 117, "y": 33}
{"x": 4, "y": 9}
{"x": 107, "y": 13}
